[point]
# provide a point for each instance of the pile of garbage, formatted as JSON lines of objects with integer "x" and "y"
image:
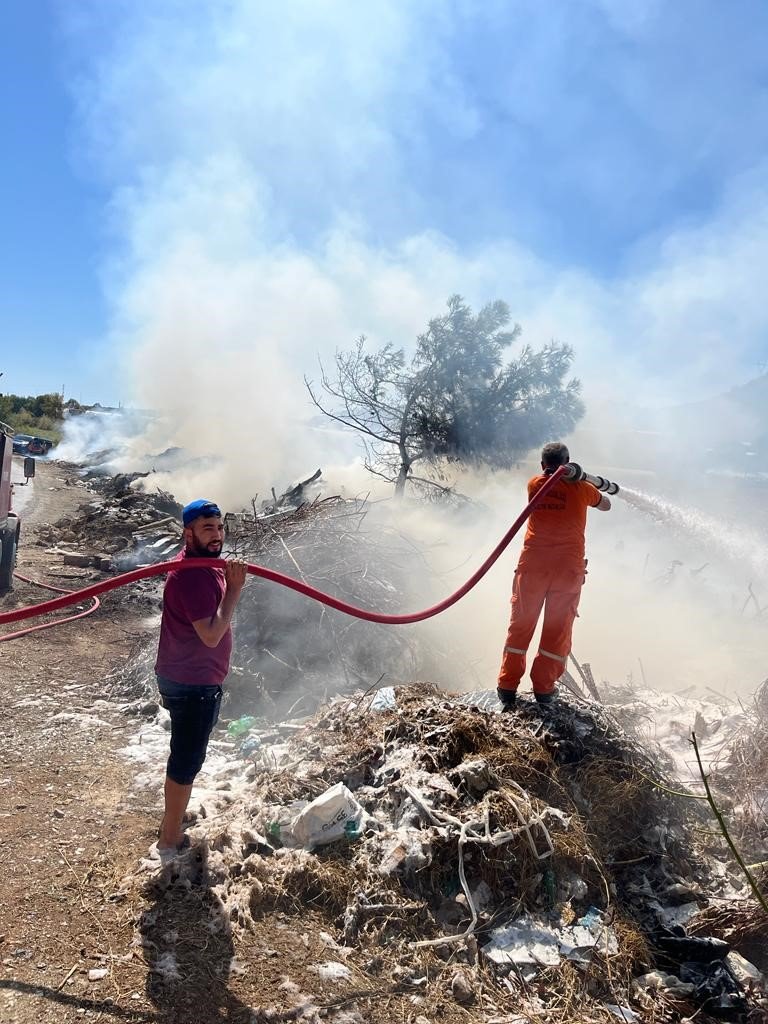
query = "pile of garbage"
{"x": 130, "y": 523}
{"x": 120, "y": 529}
{"x": 527, "y": 866}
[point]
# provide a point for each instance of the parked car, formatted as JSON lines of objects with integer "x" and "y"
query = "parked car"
{"x": 39, "y": 446}
{"x": 21, "y": 444}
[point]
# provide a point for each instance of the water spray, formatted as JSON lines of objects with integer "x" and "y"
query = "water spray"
{"x": 574, "y": 472}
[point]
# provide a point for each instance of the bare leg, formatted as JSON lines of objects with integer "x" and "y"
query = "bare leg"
{"x": 176, "y": 800}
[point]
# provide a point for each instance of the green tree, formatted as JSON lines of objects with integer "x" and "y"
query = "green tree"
{"x": 456, "y": 400}
{"x": 50, "y": 406}
{"x": 28, "y": 414}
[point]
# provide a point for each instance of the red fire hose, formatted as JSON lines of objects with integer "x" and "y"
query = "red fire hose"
{"x": 149, "y": 571}
{"x": 56, "y": 622}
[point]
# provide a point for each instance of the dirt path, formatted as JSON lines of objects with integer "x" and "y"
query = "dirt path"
{"x": 66, "y": 833}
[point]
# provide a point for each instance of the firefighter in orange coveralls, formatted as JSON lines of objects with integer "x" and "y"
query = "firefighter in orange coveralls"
{"x": 549, "y": 575}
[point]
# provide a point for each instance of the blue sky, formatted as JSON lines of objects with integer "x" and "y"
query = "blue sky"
{"x": 51, "y": 303}
{"x": 340, "y": 168}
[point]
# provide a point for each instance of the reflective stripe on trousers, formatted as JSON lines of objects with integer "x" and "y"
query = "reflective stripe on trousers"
{"x": 555, "y": 657}
{"x": 557, "y": 593}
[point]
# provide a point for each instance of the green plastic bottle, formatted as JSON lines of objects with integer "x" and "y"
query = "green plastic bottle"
{"x": 241, "y": 726}
{"x": 550, "y": 886}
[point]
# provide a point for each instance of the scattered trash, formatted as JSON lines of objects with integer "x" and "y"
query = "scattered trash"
{"x": 715, "y": 989}
{"x": 334, "y": 815}
{"x": 384, "y": 699}
{"x": 689, "y": 947}
{"x": 333, "y": 971}
{"x": 560, "y": 841}
{"x": 525, "y": 942}
{"x": 545, "y": 943}
{"x": 660, "y": 981}
{"x": 625, "y": 1013}
{"x": 747, "y": 975}
{"x": 250, "y": 746}
{"x": 241, "y": 726}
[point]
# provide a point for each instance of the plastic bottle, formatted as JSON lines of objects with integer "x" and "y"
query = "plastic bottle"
{"x": 241, "y": 726}
{"x": 550, "y": 887}
{"x": 278, "y": 832}
{"x": 250, "y": 746}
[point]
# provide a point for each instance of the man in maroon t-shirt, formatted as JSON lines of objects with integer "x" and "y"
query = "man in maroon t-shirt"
{"x": 193, "y": 658}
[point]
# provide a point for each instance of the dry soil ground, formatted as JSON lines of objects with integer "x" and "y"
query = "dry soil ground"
{"x": 66, "y": 836}
{"x": 71, "y": 831}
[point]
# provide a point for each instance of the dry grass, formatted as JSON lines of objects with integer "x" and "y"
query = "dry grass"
{"x": 734, "y": 922}
{"x": 741, "y": 777}
{"x": 300, "y": 883}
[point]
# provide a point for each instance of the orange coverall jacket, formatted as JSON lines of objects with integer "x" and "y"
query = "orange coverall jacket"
{"x": 549, "y": 575}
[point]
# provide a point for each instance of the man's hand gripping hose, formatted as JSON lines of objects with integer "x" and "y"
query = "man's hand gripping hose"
{"x": 75, "y": 597}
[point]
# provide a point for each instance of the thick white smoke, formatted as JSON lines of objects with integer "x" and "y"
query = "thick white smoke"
{"x": 260, "y": 216}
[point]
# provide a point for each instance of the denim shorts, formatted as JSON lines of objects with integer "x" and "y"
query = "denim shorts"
{"x": 194, "y": 711}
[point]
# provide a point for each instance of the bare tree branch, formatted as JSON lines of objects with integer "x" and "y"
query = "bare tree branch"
{"x": 459, "y": 398}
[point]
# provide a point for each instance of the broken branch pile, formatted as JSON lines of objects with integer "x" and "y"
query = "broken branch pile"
{"x": 741, "y": 776}
{"x": 293, "y": 652}
{"x": 290, "y": 654}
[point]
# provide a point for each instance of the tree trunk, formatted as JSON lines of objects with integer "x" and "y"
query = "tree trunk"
{"x": 402, "y": 476}
{"x": 402, "y": 446}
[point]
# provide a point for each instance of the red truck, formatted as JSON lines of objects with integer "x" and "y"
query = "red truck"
{"x": 10, "y": 524}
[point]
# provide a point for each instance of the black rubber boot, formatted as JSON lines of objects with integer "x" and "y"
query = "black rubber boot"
{"x": 508, "y": 699}
{"x": 545, "y": 699}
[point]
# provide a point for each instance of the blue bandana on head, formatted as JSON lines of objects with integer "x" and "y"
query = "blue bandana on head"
{"x": 201, "y": 507}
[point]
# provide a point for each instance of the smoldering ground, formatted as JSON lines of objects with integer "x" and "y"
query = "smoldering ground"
{"x": 666, "y": 601}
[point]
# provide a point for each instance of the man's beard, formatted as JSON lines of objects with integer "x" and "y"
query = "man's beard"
{"x": 199, "y": 552}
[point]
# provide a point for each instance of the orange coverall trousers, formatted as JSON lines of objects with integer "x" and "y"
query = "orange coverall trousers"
{"x": 557, "y": 591}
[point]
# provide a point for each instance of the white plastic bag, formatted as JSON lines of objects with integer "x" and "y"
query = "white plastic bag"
{"x": 331, "y": 816}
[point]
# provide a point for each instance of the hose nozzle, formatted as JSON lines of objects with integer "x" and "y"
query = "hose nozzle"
{"x": 574, "y": 472}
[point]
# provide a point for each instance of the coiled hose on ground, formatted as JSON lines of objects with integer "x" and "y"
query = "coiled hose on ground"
{"x": 57, "y": 622}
